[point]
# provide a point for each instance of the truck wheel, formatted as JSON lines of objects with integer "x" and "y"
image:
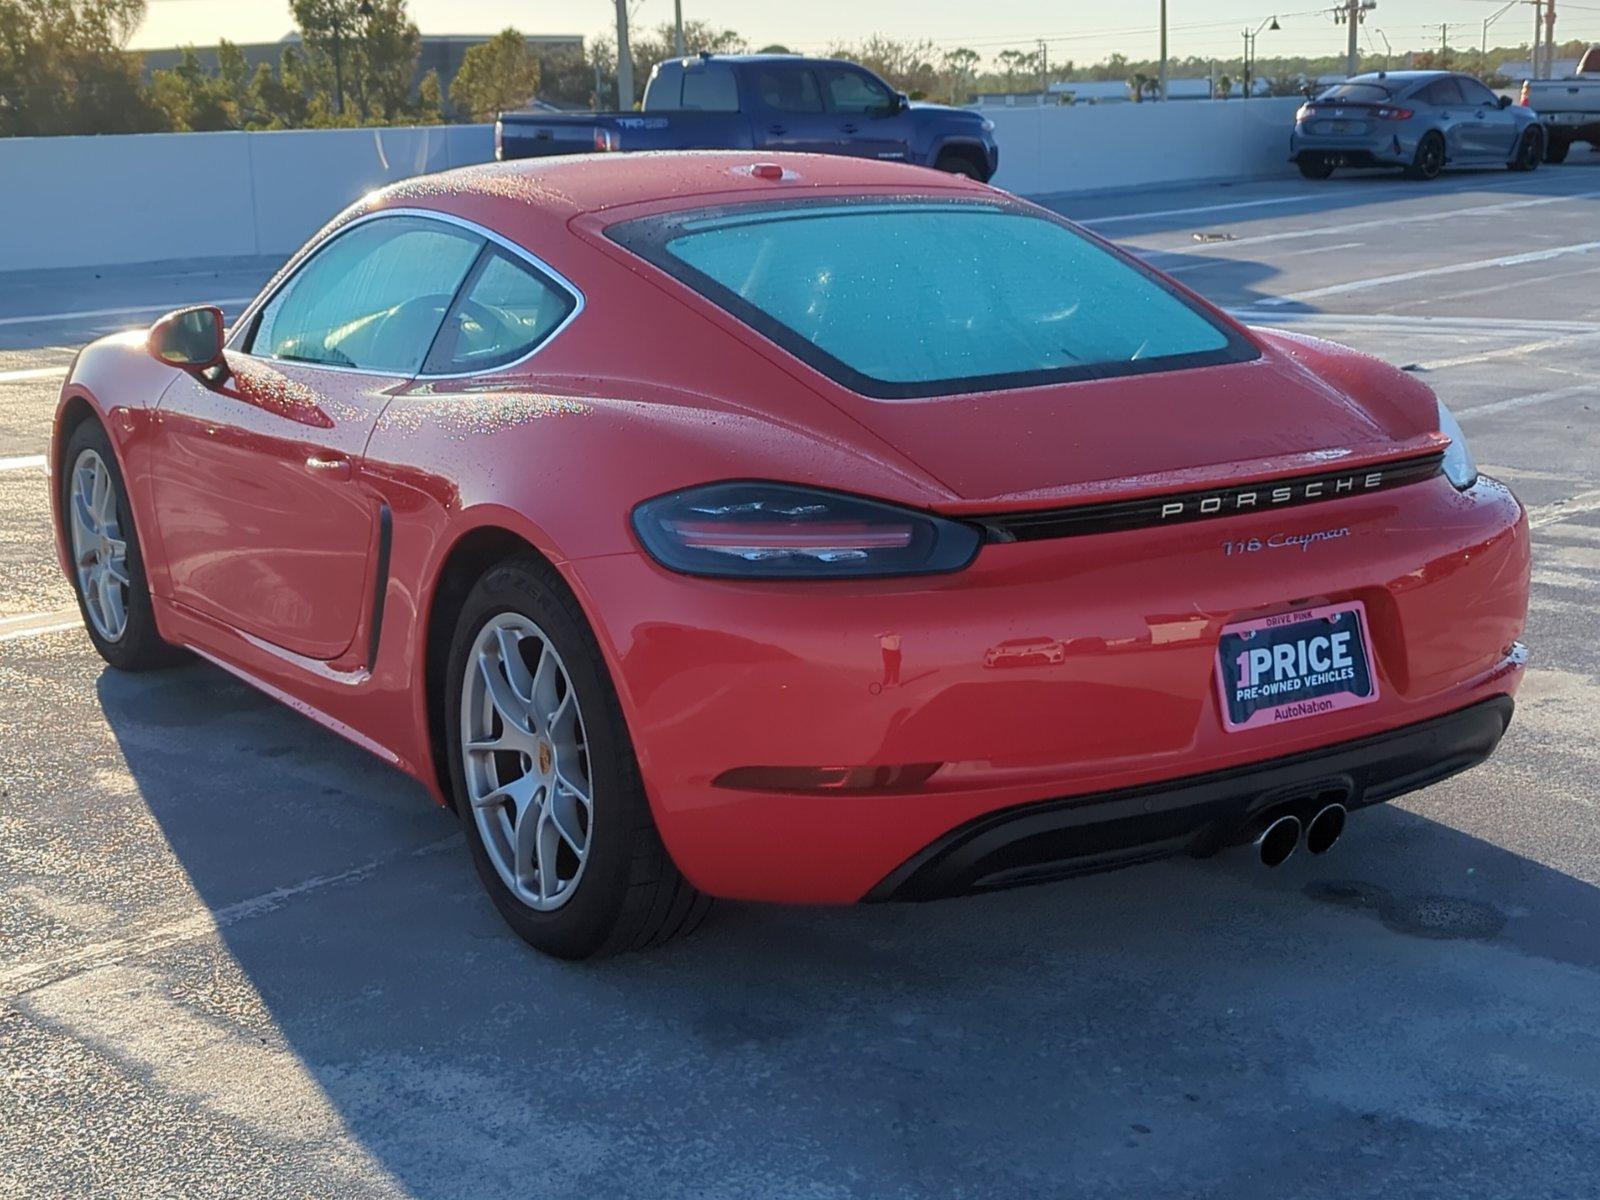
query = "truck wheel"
{"x": 958, "y": 164}
{"x": 1429, "y": 159}
{"x": 1315, "y": 166}
{"x": 1530, "y": 152}
{"x": 1555, "y": 150}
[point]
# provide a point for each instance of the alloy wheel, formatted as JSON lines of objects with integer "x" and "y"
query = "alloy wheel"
{"x": 526, "y": 761}
{"x": 99, "y": 551}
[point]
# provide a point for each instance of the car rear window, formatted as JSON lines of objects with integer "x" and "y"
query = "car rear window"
{"x": 898, "y": 299}
{"x": 1358, "y": 93}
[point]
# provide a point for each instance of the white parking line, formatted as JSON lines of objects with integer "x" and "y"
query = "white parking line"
{"x": 1514, "y": 402}
{"x": 1477, "y": 210}
{"x": 1548, "y": 514}
{"x": 1480, "y": 264}
{"x": 28, "y": 373}
{"x": 26, "y": 976}
{"x": 22, "y": 462}
{"x": 1224, "y": 262}
{"x": 1322, "y": 199}
{"x": 87, "y": 313}
{"x": 36, "y": 624}
{"x": 1398, "y": 323}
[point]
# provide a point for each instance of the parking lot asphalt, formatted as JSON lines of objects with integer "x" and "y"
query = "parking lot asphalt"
{"x": 238, "y": 957}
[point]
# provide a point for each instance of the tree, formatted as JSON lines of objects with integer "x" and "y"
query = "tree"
{"x": 499, "y": 74}
{"x": 775, "y": 48}
{"x": 960, "y": 68}
{"x": 658, "y": 45}
{"x": 1137, "y": 83}
{"x": 192, "y": 99}
{"x": 363, "y": 63}
{"x": 908, "y": 66}
{"x": 430, "y": 100}
{"x": 64, "y": 69}
{"x": 1011, "y": 63}
{"x": 1224, "y": 87}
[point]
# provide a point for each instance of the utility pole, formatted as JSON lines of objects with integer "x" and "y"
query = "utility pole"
{"x": 624, "y": 60}
{"x": 1163, "y": 49}
{"x": 677, "y": 28}
{"x": 1044, "y": 70}
{"x": 1352, "y": 53}
{"x": 1550, "y": 39}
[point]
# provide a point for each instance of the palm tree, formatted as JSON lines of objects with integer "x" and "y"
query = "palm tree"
{"x": 1224, "y": 87}
{"x": 1137, "y": 83}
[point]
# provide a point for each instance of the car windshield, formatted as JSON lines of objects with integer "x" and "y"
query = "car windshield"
{"x": 897, "y": 299}
{"x": 1357, "y": 93}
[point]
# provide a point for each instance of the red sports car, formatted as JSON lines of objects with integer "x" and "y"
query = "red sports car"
{"x": 667, "y": 516}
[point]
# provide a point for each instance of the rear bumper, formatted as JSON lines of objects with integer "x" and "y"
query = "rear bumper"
{"x": 1055, "y": 839}
{"x": 1385, "y": 149}
{"x": 1077, "y": 666}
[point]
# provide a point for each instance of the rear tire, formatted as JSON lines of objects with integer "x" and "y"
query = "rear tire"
{"x": 1429, "y": 158}
{"x": 108, "y": 578}
{"x": 1530, "y": 152}
{"x": 1314, "y": 166}
{"x": 610, "y": 886}
{"x": 958, "y": 164}
{"x": 1555, "y": 150}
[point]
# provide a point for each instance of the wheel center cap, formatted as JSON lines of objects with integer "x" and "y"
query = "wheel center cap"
{"x": 547, "y": 758}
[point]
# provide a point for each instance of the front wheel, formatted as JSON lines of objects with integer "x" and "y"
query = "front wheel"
{"x": 108, "y": 574}
{"x": 545, "y": 777}
{"x": 1315, "y": 166}
{"x": 1530, "y": 152}
{"x": 1429, "y": 158}
{"x": 959, "y": 164}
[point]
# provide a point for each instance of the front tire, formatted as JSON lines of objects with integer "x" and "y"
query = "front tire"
{"x": 959, "y": 164}
{"x": 1429, "y": 158}
{"x": 1530, "y": 152}
{"x": 1315, "y": 166}
{"x": 545, "y": 778}
{"x": 108, "y": 575}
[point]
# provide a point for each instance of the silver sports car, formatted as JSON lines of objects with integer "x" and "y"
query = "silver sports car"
{"x": 1422, "y": 121}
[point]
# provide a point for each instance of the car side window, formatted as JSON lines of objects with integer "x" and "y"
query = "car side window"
{"x": 710, "y": 88}
{"x": 372, "y": 297}
{"x": 504, "y": 312}
{"x": 1443, "y": 92}
{"x": 1476, "y": 93}
{"x": 789, "y": 90}
{"x": 852, "y": 92}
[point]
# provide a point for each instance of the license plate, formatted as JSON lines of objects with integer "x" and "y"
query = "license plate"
{"x": 1338, "y": 126}
{"x": 1294, "y": 665}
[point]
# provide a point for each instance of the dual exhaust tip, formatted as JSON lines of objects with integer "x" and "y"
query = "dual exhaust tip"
{"x": 1282, "y": 834}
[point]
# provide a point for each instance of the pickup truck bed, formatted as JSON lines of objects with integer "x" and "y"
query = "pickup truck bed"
{"x": 1568, "y": 108}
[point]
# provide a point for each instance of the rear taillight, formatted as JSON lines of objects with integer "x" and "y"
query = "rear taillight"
{"x": 1393, "y": 114}
{"x": 1526, "y": 97}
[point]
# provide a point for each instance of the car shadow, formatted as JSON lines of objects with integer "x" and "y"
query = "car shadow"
{"x": 1194, "y": 1028}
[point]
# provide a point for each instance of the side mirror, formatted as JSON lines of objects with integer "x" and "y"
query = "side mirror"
{"x": 1505, "y": 101}
{"x": 190, "y": 338}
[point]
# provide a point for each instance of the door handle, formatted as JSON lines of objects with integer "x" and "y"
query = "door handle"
{"x": 849, "y": 127}
{"x": 329, "y": 466}
{"x": 778, "y": 129}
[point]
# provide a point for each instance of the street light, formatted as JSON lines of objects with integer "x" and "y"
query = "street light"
{"x": 1388, "y": 50}
{"x": 1270, "y": 25}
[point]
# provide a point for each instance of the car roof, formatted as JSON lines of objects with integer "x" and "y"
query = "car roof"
{"x": 565, "y": 186}
{"x": 1398, "y": 76}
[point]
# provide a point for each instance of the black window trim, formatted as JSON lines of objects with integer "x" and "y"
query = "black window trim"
{"x": 242, "y": 337}
{"x": 647, "y": 237}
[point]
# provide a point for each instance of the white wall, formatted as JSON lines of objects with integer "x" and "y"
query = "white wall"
{"x": 93, "y": 201}
{"x": 98, "y": 201}
{"x": 1045, "y": 151}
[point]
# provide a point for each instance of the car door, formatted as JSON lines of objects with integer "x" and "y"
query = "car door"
{"x": 1493, "y": 132}
{"x": 871, "y": 117}
{"x": 256, "y": 482}
{"x": 1450, "y": 115}
{"x": 790, "y": 114}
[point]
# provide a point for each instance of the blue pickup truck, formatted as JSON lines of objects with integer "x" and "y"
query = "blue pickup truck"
{"x": 766, "y": 102}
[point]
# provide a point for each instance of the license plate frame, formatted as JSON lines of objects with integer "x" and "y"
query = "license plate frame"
{"x": 1311, "y": 696}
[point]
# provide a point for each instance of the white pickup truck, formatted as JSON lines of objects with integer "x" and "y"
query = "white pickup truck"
{"x": 1568, "y": 108}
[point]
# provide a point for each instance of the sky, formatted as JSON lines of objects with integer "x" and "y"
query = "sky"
{"x": 1081, "y": 30}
